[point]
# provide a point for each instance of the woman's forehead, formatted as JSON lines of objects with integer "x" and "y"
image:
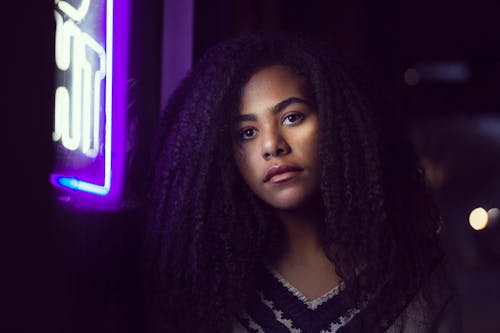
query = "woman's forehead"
{"x": 270, "y": 86}
{"x": 272, "y": 82}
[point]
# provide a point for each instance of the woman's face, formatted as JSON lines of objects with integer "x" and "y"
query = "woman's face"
{"x": 276, "y": 138}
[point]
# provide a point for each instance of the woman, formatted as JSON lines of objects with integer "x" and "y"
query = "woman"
{"x": 281, "y": 202}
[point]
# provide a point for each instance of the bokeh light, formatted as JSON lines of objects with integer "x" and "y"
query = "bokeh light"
{"x": 478, "y": 218}
{"x": 411, "y": 77}
{"x": 493, "y": 216}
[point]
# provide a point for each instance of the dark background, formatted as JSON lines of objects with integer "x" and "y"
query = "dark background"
{"x": 65, "y": 270}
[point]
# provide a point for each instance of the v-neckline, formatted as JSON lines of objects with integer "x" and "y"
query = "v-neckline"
{"x": 311, "y": 304}
{"x": 278, "y": 306}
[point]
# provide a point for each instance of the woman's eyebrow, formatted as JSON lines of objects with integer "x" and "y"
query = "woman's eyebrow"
{"x": 286, "y": 102}
{"x": 246, "y": 117}
{"x": 275, "y": 109}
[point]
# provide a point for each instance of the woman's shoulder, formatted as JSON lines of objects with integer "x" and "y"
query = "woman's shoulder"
{"x": 434, "y": 308}
{"x": 238, "y": 327}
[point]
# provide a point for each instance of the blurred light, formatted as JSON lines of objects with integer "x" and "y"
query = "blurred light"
{"x": 493, "y": 216}
{"x": 478, "y": 218}
{"x": 411, "y": 77}
{"x": 79, "y": 185}
{"x": 490, "y": 126}
{"x": 445, "y": 71}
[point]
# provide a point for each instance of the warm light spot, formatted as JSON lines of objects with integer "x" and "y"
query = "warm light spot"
{"x": 411, "y": 77}
{"x": 478, "y": 218}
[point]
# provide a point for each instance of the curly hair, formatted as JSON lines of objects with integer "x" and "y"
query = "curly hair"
{"x": 208, "y": 233}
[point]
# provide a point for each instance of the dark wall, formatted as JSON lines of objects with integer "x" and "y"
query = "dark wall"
{"x": 26, "y": 106}
{"x": 386, "y": 38}
{"x": 339, "y": 22}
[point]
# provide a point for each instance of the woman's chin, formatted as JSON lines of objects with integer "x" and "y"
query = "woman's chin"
{"x": 290, "y": 202}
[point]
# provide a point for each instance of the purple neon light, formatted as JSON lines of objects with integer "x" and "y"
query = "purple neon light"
{"x": 108, "y": 195}
{"x": 120, "y": 90}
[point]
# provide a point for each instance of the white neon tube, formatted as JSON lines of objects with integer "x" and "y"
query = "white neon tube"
{"x": 72, "y": 12}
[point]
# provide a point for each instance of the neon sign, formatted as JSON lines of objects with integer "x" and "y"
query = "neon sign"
{"x": 90, "y": 102}
{"x": 83, "y": 129}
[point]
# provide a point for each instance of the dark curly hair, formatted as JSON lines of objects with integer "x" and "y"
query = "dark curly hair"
{"x": 207, "y": 233}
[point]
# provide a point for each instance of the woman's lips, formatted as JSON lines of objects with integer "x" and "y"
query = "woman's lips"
{"x": 281, "y": 173}
{"x": 283, "y": 176}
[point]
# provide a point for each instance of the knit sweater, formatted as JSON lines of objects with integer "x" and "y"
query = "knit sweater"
{"x": 278, "y": 307}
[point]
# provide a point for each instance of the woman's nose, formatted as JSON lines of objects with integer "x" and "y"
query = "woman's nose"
{"x": 274, "y": 145}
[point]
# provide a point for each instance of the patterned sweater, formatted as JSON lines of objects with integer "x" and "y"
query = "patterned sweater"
{"x": 278, "y": 307}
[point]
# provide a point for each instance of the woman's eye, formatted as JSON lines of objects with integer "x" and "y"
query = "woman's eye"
{"x": 247, "y": 133}
{"x": 293, "y": 119}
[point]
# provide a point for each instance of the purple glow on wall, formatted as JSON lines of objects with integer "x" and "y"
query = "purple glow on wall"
{"x": 177, "y": 48}
{"x": 91, "y": 109}
{"x": 120, "y": 90}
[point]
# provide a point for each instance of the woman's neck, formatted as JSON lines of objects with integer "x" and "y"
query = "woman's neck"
{"x": 300, "y": 241}
{"x": 301, "y": 259}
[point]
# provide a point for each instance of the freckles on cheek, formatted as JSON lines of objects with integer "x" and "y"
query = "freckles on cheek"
{"x": 240, "y": 158}
{"x": 244, "y": 164}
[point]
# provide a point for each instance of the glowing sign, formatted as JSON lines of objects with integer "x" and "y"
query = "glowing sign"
{"x": 90, "y": 111}
{"x": 83, "y": 130}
